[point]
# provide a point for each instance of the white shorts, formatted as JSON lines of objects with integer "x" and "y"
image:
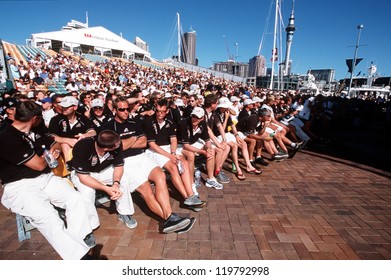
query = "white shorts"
{"x": 230, "y": 137}
{"x": 137, "y": 169}
{"x": 200, "y": 144}
{"x": 161, "y": 160}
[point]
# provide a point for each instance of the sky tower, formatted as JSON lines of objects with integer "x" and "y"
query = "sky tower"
{"x": 290, "y": 29}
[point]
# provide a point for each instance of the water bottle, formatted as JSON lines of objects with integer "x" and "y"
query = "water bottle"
{"x": 51, "y": 161}
{"x": 197, "y": 178}
{"x": 181, "y": 168}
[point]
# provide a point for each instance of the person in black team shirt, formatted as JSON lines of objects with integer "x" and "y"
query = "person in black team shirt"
{"x": 69, "y": 127}
{"x": 163, "y": 144}
{"x": 98, "y": 116}
{"x": 140, "y": 169}
{"x": 99, "y": 165}
{"x": 31, "y": 189}
{"x": 193, "y": 135}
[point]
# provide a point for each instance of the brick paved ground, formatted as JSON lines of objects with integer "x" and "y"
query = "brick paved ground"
{"x": 311, "y": 207}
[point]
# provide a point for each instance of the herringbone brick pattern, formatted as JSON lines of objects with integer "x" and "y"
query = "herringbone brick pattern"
{"x": 308, "y": 208}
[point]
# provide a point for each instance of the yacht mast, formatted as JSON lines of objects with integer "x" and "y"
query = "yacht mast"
{"x": 274, "y": 54}
{"x": 179, "y": 38}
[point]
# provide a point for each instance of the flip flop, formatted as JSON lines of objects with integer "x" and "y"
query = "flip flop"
{"x": 254, "y": 171}
{"x": 240, "y": 176}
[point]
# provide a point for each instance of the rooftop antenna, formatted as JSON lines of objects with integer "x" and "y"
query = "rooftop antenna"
{"x": 87, "y": 19}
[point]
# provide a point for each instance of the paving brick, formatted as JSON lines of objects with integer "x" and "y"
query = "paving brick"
{"x": 320, "y": 209}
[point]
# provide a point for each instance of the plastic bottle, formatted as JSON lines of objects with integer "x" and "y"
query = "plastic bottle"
{"x": 197, "y": 178}
{"x": 181, "y": 168}
{"x": 51, "y": 161}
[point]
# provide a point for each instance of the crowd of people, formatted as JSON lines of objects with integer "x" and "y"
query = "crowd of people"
{"x": 125, "y": 128}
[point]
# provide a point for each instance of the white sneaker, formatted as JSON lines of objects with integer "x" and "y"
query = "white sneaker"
{"x": 212, "y": 183}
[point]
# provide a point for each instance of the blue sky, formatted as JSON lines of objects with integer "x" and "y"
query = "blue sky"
{"x": 325, "y": 36}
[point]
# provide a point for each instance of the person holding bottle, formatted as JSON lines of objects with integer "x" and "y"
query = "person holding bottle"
{"x": 32, "y": 190}
{"x": 161, "y": 137}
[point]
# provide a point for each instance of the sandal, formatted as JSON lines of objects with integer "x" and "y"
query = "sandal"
{"x": 240, "y": 176}
{"x": 254, "y": 171}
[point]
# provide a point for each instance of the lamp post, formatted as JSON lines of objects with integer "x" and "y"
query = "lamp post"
{"x": 359, "y": 27}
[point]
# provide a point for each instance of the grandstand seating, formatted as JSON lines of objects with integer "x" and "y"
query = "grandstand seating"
{"x": 25, "y": 50}
{"x": 15, "y": 53}
{"x": 94, "y": 57}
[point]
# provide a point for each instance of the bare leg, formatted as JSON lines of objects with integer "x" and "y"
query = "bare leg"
{"x": 190, "y": 157}
{"x": 161, "y": 192}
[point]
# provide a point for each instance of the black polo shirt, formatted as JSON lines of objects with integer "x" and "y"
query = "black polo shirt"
{"x": 221, "y": 118}
{"x": 211, "y": 119}
{"x": 249, "y": 125}
{"x": 59, "y": 125}
{"x": 126, "y": 130}
{"x": 187, "y": 135}
{"x": 86, "y": 160}
{"x": 98, "y": 123}
{"x": 243, "y": 114}
{"x": 161, "y": 135}
{"x": 17, "y": 148}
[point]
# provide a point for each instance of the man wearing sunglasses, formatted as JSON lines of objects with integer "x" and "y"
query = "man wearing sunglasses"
{"x": 141, "y": 170}
{"x": 69, "y": 126}
{"x": 98, "y": 116}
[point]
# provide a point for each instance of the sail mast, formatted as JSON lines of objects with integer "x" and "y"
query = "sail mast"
{"x": 274, "y": 44}
{"x": 179, "y": 38}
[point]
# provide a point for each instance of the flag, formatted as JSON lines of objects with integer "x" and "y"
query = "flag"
{"x": 349, "y": 63}
{"x": 274, "y": 55}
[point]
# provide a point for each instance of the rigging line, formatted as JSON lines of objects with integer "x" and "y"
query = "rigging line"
{"x": 169, "y": 46}
{"x": 266, "y": 27}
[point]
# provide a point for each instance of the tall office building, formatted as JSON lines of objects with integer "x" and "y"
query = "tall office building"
{"x": 188, "y": 54}
{"x": 257, "y": 66}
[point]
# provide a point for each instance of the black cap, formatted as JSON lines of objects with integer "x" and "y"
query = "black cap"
{"x": 10, "y": 102}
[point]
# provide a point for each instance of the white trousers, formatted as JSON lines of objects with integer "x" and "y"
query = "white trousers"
{"x": 33, "y": 198}
{"x": 124, "y": 204}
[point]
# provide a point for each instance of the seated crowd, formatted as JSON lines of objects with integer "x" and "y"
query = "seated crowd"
{"x": 123, "y": 128}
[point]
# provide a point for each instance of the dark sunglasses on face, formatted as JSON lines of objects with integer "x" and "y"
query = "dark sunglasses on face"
{"x": 97, "y": 108}
{"x": 124, "y": 109}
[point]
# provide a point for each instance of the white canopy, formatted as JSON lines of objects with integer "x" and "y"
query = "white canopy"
{"x": 98, "y": 37}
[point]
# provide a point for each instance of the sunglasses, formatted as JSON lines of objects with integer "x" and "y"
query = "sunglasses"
{"x": 97, "y": 108}
{"x": 124, "y": 109}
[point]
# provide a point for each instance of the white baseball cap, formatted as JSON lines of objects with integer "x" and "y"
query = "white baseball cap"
{"x": 97, "y": 102}
{"x": 69, "y": 101}
{"x": 234, "y": 98}
{"x": 248, "y": 102}
{"x": 198, "y": 112}
{"x": 224, "y": 103}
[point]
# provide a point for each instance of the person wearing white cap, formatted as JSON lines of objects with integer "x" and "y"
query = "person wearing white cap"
{"x": 162, "y": 141}
{"x": 233, "y": 139}
{"x": 236, "y": 107}
{"x": 193, "y": 135}
{"x": 69, "y": 127}
{"x": 98, "y": 116}
{"x": 246, "y": 111}
{"x": 221, "y": 146}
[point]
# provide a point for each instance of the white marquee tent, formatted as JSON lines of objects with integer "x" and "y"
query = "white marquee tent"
{"x": 94, "y": 39}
